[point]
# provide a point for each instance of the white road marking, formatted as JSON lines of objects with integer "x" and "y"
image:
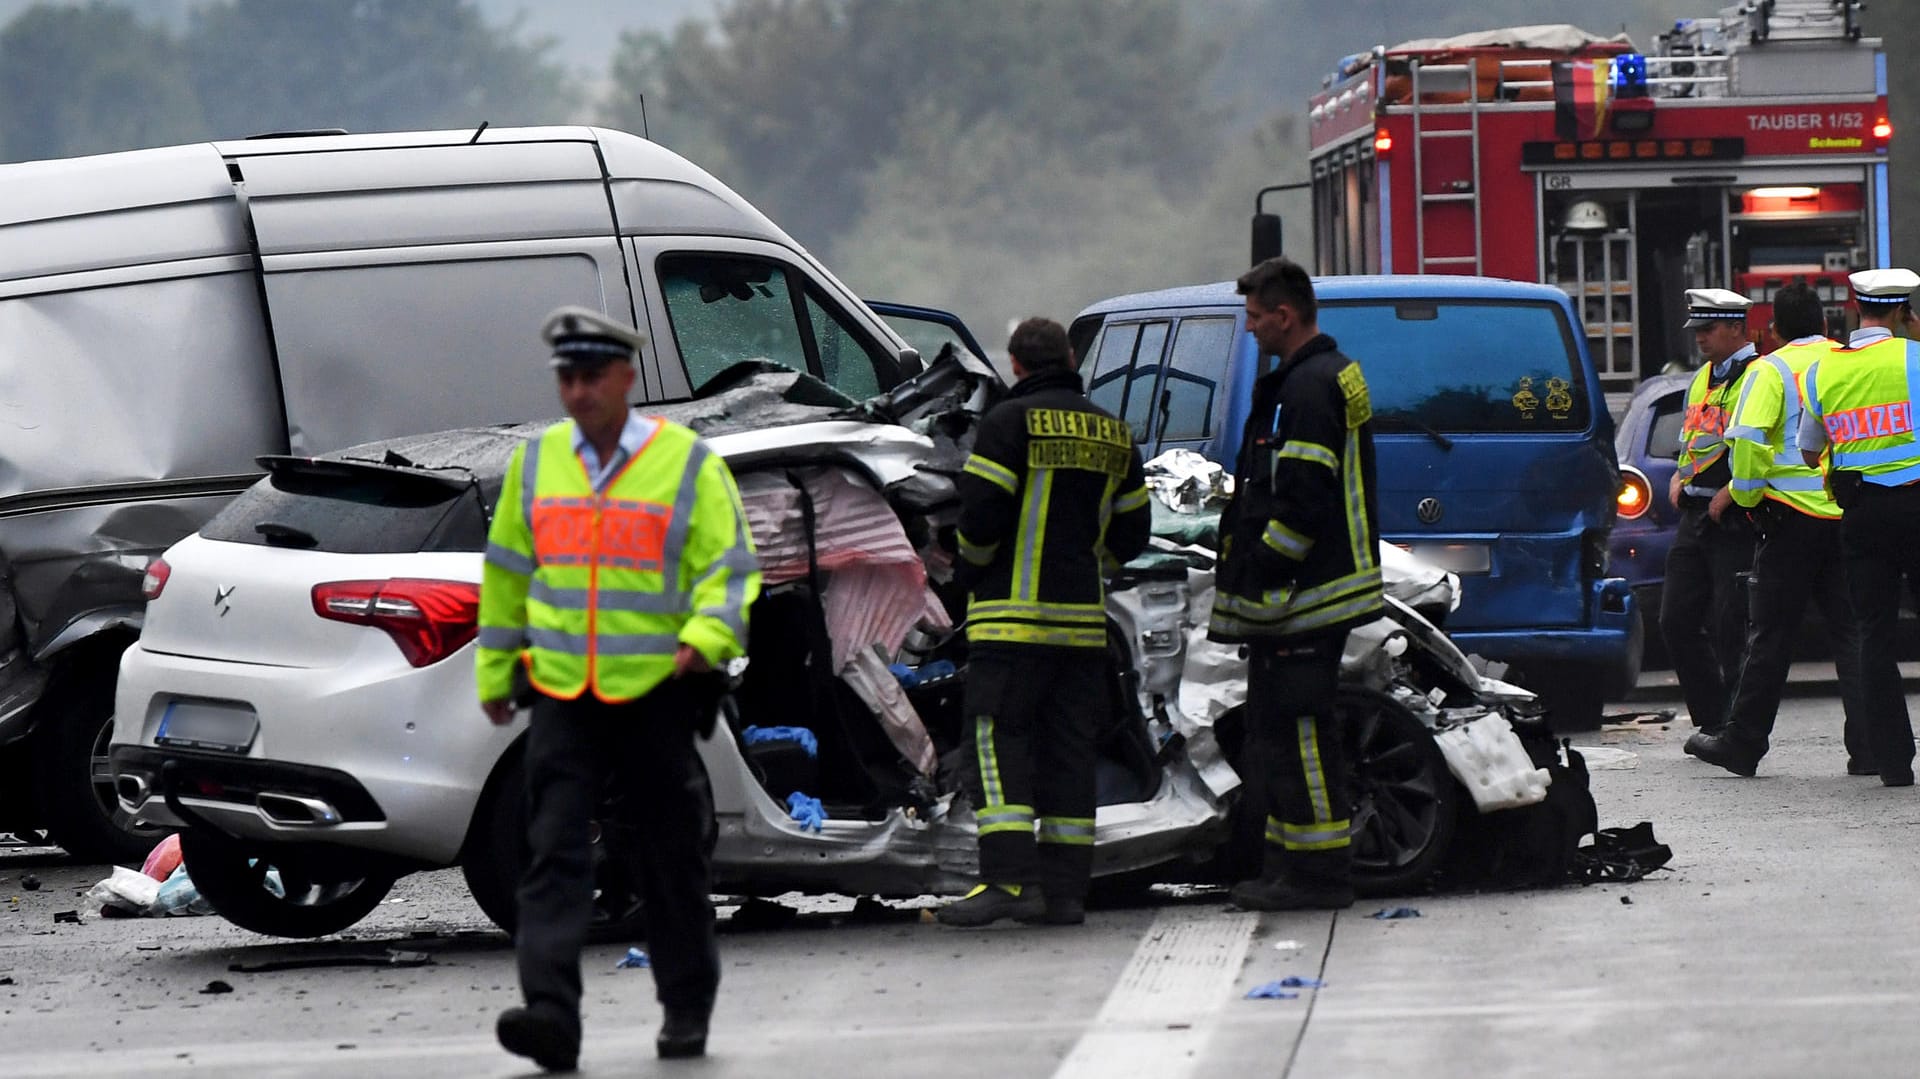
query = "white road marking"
{"x": 1158, "y": 1018}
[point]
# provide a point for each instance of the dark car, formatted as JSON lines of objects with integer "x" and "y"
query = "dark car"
{"x": 1648, "y": 444}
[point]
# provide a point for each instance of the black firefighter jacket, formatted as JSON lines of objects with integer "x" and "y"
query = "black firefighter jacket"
{"x": 1299, "y": 553}
{"x": 1052, "y": 499}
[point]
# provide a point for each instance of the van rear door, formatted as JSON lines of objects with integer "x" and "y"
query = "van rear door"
{"x": 1495, "y": 455}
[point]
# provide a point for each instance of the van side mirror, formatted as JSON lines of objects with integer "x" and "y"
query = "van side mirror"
{"x": 1266, "y": 237}
{"x": 910, "y": 362}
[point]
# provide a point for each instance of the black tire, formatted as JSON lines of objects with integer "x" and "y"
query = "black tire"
{"x": 322, "y": 894}
{"x": 1406, "y": 802}
{"x": 496, "y": 856}
{"x": 73, "y": 782}
{"x": 496, "y": 849}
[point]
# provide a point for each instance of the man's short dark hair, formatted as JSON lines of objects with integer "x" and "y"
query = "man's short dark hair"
{"x": 1797, "y": 312}
{"x": 1040, "y": 344}
{"x": 1277, "y": 281}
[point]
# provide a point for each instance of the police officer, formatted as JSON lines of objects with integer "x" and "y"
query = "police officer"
{"x": 1053, "y": 492}
{"x": 1799, "y": 554}
{"x": 619, "y": 570}
{"x": 1860, "y": 403}
{"x": 1702, "y": 610}
{"x": 1299, "y": 566}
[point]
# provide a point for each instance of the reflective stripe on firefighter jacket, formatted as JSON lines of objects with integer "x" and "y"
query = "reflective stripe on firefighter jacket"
{"x": 1765, "y": 433}
{"x": 598, "y": 590}
{"x": 1053, "y": 500}
{"x": 1299, "y": 552}
{"x": 1864, "y": 400}
{"x": 1702, "y": 463}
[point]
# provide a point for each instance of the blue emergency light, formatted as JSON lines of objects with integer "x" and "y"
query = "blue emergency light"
{"x": 1628, "y": 75}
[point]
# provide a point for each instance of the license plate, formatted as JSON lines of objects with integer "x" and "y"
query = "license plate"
{"x": 223, "y": 726}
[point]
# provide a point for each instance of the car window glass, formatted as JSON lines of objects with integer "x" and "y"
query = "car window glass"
{"x": 726, "y": 309}
{"x": 1140, "y": 387}
{"x": 1663, "y": 427}
{"x": 845, "y": 363}
{"x": 1464, "y": 366}
{"x": 1200, "y": 349}
{"x": 1112, "y": 355}
{"x": 363, "y": 511}
{"x": 927, "y": 335}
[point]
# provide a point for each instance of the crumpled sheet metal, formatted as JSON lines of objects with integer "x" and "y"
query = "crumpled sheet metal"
{"x": 1187, "y": 482}
{"x": 876, "y": 685}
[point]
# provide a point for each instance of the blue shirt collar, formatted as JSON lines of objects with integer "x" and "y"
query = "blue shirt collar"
{"x": 633, "y": 436}
{"x": 1721, "y": 369}
{"x": 1867, "y": 335}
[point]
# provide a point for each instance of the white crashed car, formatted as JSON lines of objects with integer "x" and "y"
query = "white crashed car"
{"x": 301, "y": 697}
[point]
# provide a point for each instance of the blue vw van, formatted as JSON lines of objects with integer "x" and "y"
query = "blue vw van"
{"x": 1495, "y": 449}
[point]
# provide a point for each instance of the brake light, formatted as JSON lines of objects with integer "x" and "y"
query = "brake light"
{"x": 429, "y": 620}
{"x": 1635, "y": 497}
{"x": 155, "y": 581}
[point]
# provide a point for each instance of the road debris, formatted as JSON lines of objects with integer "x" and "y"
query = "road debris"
{"x": 635, "y": 959}
{"x": 66, "y": 916}
{"x": 392, "y": 957}
{"x": 1286, "y": 945}
{"x": 1297, "y": 981}
{"x": 215, "y": 988}
{"x": 1270, "y": 991}
{"x": 1391, "y": 913}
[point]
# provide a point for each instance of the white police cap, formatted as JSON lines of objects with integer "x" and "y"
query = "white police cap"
{"x": 1710, "y": 306}
{"x": 583, "y": 337}
{"x": 1883, "y": 287}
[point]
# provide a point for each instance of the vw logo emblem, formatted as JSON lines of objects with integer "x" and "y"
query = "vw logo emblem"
{"x": 1428, "y": 510}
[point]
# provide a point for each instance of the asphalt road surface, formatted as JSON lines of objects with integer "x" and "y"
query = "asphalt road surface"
{"x": 1782, "y": 943}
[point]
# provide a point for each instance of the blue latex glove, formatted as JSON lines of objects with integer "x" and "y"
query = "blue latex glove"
{"x": 800, "y": 735}
{"x": 1270, "y": 991}
{"x": 905, "y": 675}
{"x": 1295, "y": 981}
{"x": 1395, "y": 912}
{"x": 808, "y": 811}
{"x": 635, "y": 957}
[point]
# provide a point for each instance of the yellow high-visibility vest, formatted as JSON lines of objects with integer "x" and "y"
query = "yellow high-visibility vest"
{"x": 598, "y": 590}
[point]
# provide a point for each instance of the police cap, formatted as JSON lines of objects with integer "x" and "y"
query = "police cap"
{"x": 1883, "y": 288}
{"x": 584, "y": 338}
{"x": 1710, "y": 306}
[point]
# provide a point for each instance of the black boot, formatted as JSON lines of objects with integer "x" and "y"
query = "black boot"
{"x": 1299, "y": 880}
{"x": 540, "y": 1034}
{"x": 1061, "y": 911}
{"x": 683, "y": 1034}
{"x": 988, "y": 903}
{"x": 1726, "y": 750}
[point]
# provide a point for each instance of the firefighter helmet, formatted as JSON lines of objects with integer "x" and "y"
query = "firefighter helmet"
{"x": 1585, "y": 216}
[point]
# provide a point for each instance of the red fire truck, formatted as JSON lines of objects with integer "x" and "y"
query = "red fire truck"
{"x": 1747, "y": 151}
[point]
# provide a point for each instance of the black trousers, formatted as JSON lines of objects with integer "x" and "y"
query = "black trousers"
{"x": 1798, "y": 561}
{"x": 1703, "y": 610}
{"x": 642, "y": 754}
{"x": 1297, "y": 744}
{"x": 1880, "y": 548}
{"x": 1036, "y": 713}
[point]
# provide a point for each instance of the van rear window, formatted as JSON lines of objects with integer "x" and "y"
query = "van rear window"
{"x": 1464, "y": 366}
{"x": 353, "y": 511}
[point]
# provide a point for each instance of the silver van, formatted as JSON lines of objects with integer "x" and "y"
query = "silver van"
{"x": 167, "y": 315}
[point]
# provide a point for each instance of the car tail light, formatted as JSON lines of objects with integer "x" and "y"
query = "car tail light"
{"x": 429, "y": 620}
{"x": 155, "y": 581}
{"x": 1636, "y": 495}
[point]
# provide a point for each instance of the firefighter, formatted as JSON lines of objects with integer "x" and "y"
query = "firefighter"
{"x": 619, "y": 571}
{"x": 1799, "y": 553}
{"x": 1299, "y": 566}
{"x": 1702, "y": 610}
{"x": 1860, "y": 402}
{"x": 1052, "y": 498}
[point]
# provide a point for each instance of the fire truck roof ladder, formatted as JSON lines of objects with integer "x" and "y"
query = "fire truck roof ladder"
{"x": 1470, "y": 107}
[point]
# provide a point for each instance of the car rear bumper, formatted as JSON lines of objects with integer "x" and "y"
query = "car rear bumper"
{"x": 1609, "y": 645}
{"x": 394, "y": 758}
